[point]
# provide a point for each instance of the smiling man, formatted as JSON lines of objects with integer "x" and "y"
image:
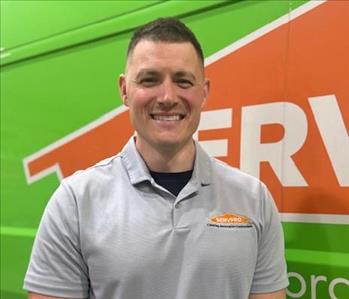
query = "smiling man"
{"x": 161, "y": 219}
{"x": 165, "y": 89}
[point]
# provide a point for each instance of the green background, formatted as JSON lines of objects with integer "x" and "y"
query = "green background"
{"x": 59, "y": 70}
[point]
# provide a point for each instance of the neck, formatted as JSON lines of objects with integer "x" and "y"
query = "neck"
{"x": 167, "y": 159}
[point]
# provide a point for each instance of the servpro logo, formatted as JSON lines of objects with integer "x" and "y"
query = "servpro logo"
{"x": 278, "y": 110}
{"x": 229, "y": 220}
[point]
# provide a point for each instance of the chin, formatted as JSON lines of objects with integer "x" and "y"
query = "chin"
{"x": 171, "y": 143}
{"x": 168, "y": 143}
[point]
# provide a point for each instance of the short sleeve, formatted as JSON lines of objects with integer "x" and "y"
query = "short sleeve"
{"x": 57, "y": 267}
{"x": 270, "y": 272}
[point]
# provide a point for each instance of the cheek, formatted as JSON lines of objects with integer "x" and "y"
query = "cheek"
{"x": 140, "y": 99}
{"x": 195, "y": 100}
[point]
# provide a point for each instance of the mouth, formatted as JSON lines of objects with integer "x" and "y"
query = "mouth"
{"x": 167, "y": 117}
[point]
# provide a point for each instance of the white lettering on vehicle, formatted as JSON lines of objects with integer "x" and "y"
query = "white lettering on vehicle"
{"x": 328, "y": 119}
{"x": 215, "y": 119}
{"x": 314, "y": 281}
{"x": 333, "y": 133}
{"x": 278, "y": 154}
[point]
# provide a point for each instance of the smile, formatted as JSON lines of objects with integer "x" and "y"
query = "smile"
{"x": 162, "y": 117}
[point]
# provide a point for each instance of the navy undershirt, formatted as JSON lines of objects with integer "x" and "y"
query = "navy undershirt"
{"x": 172, "y": 181}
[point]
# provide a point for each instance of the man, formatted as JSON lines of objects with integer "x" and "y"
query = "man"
{"x": 161, "y": 219}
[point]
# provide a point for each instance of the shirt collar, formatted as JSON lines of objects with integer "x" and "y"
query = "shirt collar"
{"x": 134, "y": 163}
{"x": 138, "y": 170}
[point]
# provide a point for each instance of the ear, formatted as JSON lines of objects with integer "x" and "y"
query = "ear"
{"x": 206, "y": 90}
{"x": 122, "y": 89}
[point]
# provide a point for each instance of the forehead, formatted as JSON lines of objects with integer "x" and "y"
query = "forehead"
{"x": 153, "y": 54}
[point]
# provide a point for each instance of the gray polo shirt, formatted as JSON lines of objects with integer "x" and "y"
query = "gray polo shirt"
{"x": 110, "y": 232}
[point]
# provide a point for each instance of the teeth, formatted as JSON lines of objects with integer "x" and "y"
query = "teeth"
{"x": 167, "y": 117}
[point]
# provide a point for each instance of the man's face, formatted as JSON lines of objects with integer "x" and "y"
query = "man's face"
{"x": 165, "y": 89}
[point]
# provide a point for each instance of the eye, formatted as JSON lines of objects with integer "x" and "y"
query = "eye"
{"x": 148, "y": 81}
{"x": 184, "y": 83}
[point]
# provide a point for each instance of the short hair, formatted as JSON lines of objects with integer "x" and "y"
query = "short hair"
{"x": 170, "y": 30}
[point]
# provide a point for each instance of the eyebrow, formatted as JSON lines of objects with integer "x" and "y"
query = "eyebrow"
{"x": 147, "y": 72}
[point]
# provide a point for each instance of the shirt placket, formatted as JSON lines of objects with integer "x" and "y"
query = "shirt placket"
{"x": 180, "y": 205}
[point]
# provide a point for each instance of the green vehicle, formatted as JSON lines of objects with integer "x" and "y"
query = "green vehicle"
{"x": 279, "y": 110}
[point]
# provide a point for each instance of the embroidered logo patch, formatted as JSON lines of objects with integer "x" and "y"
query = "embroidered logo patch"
{"x": 229, "y": 220}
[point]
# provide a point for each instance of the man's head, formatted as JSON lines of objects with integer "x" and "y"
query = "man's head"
{"x": 167, "y": 30}
{"x": 164, "y": 85}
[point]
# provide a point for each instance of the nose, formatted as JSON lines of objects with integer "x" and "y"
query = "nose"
{"x": 168, "y": 96}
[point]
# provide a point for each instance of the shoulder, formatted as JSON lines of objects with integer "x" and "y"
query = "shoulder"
{"x": 96, "y": 176}
{"x": 235, "y": 179}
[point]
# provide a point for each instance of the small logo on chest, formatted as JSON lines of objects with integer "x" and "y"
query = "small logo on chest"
{"x": 229, "y": 220}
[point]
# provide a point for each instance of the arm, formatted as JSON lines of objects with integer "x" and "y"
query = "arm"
{"x": 281, "y": 294}
{"x": 270, "y": 276}
{"x": 57, "y": 267}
